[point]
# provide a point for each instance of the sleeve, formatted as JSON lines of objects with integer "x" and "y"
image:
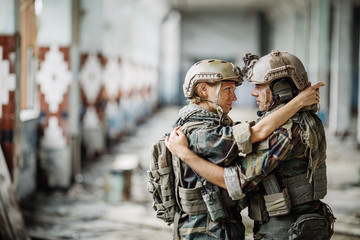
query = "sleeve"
{"x": 242, "y": 136}
{"x": 216, "y": 144}
{"x": 232, "y": 182}
{"x": 251, "y": 169}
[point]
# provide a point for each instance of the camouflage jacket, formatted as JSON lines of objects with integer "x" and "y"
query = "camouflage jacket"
{"x": 297, "y": 147}
{"x": 216, "y": 142}
{"x": 219, "y": 142}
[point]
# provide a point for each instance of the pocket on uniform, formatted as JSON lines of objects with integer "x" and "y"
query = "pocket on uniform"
{"x": 309, "y": 226}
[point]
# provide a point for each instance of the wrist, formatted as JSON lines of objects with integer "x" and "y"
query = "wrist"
{"x": 185, "y": 154}
{"x": 298, "y": 104}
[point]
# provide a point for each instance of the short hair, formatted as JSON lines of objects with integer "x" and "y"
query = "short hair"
{"x": 198, "y": 96}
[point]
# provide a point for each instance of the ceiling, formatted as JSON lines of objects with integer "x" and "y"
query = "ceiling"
{"x": 229, "y": 5}
{"x": 209, "y": 5}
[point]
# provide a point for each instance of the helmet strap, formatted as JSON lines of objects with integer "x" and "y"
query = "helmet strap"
{"x": 218, "y": 86}
{"x": 219, "y": 110}
{"x": 199, "y": 99}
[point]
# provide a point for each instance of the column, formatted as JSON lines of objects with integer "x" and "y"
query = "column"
{"x": 74, "y": 95}
{"x": 11, "y": 221}
{"x": 170, "y": 80}
{"x": 358, "y": 95}
{"x": 91, "y": 85}
{"x": 7, "y": 81}
{"x": 319, "y": 61}
{"x": 340, "y": 89}
{"x": 54, "y": 79}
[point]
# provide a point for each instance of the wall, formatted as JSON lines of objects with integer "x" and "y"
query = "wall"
{"x": 27, "y": 179}
{"x": 219, "y": 35}
{"x": 7, "y": 19}
{"x": 119, "y": 48}
{"x": 170, "y": 58}
{"x": 321, "y": 34}
{"x": 7, "y": 82}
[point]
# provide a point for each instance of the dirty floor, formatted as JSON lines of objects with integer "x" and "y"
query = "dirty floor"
{"x": 83, "y": 212}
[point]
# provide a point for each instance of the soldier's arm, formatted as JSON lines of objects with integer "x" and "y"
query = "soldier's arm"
{"x": 214, "y": 143}
{"x": 178, "y": 145}
{"x": 267, "y": 125}
{"x": 233, "y": 178}
{"x": 254, "y": 167}
{"x": 214, "y": 173}
{"x": 245, "y": 134}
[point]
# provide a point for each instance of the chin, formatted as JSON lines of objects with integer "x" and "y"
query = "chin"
{"x": 261, "y": 109}
{"x": 226, "y": 111}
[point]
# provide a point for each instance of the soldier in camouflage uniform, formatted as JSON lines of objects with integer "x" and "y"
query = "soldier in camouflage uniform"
{"x": 290, "y": 163}
{"x": 207, "y": 212}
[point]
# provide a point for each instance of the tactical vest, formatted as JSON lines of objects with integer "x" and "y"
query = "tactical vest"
{"x": 297, "y": 190}
{"x": 172, "y": 200}
{"x": 281, "y": 195}
{"x": 273, "y": 210}
{"x": 191, "y": 200}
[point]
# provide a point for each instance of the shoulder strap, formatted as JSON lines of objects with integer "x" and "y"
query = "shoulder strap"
{"x": 179, "y": 181}
{"x": 189, "y": 126}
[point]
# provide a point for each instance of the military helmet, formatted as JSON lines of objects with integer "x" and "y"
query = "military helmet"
{"x": 276, "y": 65}
{"x": 210, "y": 71}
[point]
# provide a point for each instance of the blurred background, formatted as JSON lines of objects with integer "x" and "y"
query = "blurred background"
{"x": 79, "y": 78}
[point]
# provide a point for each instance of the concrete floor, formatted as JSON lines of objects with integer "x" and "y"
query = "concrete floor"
{"x": 82, "y": 212}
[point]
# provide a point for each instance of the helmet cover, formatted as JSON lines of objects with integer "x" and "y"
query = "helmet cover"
{"x": 210, "y": 71}
{"x": 273, "y": 66}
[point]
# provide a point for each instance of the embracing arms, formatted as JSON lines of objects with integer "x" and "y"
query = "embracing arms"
{"x": 177, "y": 142}
{"x": 267, "y": 125}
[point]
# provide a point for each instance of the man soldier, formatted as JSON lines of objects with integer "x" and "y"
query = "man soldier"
{"x": 206, "y": 211}
{"x": 284, "y": 177}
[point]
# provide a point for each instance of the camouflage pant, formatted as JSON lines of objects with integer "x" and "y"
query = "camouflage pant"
{"x": 200, "y": 227}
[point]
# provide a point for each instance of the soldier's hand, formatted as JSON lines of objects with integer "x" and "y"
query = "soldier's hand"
{"x": 311, "y": 94}
{"x": 177, "y": 142}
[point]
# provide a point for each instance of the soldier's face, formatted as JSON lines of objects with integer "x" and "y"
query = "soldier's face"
{"x": 226, "y": 95}
{"x": 261, "y": 91}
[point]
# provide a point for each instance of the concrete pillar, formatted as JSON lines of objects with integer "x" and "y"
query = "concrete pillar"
{"x": 8, "y": 81}
{"x": 340, "y": 89}
{"x": 170, "y": 59}
{"x": 358, "y": 110}
{"x": 358, "y": 115}
{"x": 74, "y": 96}
{"x": 18, "y": 113}
{"x": 93, "y": 33}
{"x": 319, "y": 63}
{"x": 301, "y": 34}
{"x": 54, "y": 79}
{"x": 11, "y": 221}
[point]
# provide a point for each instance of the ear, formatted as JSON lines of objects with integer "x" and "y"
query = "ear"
{"x": 204, "y": 90}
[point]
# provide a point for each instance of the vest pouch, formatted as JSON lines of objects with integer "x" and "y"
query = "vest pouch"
{"x": 257, "y": 208}
{"x": 309, "y": 226}
{"x": 213, "y": 202}
{"x": 161, "y": 182}
{"x": 327, "y": 212}
{"x": 278, "y": 204}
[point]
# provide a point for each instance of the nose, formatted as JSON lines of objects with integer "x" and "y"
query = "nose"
{"x": 234, "y": 97}
{"x": 254, "y": 92}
